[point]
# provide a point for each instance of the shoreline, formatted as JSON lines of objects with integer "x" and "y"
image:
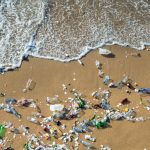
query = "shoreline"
{"x": 3, "y": 69}
{"x": 49, "y": 76}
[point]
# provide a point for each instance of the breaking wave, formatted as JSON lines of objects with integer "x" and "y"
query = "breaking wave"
{"x": 67, "y": 30}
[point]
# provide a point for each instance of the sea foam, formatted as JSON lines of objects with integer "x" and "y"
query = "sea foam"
{"x": 56, "y": 29}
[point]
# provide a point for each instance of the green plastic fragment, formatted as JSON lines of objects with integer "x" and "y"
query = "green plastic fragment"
{"x": 102, "y": 124}
{"x": 82, "y": 104}
{"x": 2, "y": 131}
{"x": 26, "y": 147}
{"x": 55, "y": 146}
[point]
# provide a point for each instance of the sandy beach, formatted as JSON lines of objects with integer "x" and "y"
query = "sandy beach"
{"x": 49, "y": 76}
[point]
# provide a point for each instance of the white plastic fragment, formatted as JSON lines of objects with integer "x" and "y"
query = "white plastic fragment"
{"x": 56, "y": 107}
{"x": 147, "y": 108}
{"x": 105, "y": 148}
{"x": 104, "y": 51}
{"x": 98, "y": 64}
{"x": 80, "y": 62}
{"x": 90, "y": 138}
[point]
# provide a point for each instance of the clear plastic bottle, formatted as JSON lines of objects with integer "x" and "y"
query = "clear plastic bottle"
{"x": 106, "y": 80}
{"x": 88, "y": 145}
{"x": 77, "y": 130}
{"x": 90, "y": 138}
{"x": 144, "y": 90}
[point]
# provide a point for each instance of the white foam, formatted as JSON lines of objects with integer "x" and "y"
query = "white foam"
{"x": 51, "y": 29}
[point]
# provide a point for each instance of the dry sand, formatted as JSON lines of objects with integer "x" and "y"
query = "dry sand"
{"x": 50, "y": 75}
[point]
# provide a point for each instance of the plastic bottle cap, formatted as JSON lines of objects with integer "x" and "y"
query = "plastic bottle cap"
{"x": 126, "y": 109}
{"x": 136, "y": 90}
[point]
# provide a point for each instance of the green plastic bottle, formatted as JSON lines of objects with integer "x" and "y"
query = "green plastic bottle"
{"x": 26, "y": 147}
{"x": 102, "y": 124}
{"x": 2, "y": 131}
{"x": 81, "y": 104}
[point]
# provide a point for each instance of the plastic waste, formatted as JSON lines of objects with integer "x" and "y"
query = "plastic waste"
{"x": 26, "y": 146}
{"x": 104, "y": 51}
{"x": 96, "y": 95}
{"x": 34, "y": 105}
{"x": 84, "y": 127}
{"x": 130, "y": 86}
{"x": 106, "y": 80}
{"x": 8, "y": 124}
{"x": 126, "y": 80}
{"x": 2, "y": 131}
{"x": 73, "y": 113}
{"x": 112, "y": 85}
{"x": 129, "y": 114}
{"x": 138, "y": 119}
{"x": 119, "y": 84}
{"x": 53, "y": 100}
{"x": 90, "y": 138}
{"x": 147, "y": 108}
{"x": 63, "y": 126}
{"x": 47, "y": 120}
{"x": 102, "y": 124}
{"x": 80, "y": 62}
{"x": 105, "y": 94}
{"x": 82, "y": 104}
{"x": 37, "y": 115}
{"x": 12, "y": 110}
{"x": 80, "y": 101}
{"x": 114, "y": 115}
{"x": 105, "y": 148}
{"x": 101, "y": 73}
{"x": 67, "y": 137}
{"x": 123, "y": 82}
{"x": 144, "y": 90}
{"x": 10, "y": 101}
{"x": 91, "y": 122}
{"x": 57, "y": 147}
{"x": 15, "y": 130}
{"x": 105, "y": 105}
{"x": 56, "y": 107}
{"x": 78, "y": 130}
{"x": 59, "y": 115}
{"x": 98, "y": 64}
{"x": 40, "y": 148}
{"x": 33, "y": 120}
{"x": 88, "y": 145}
{"x": 24, "y": 102}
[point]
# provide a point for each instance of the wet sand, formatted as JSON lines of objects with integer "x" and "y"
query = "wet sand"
{"x": 49, "y": 76}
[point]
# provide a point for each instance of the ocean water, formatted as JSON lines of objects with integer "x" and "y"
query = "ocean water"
{"x": 67, "y": 29}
